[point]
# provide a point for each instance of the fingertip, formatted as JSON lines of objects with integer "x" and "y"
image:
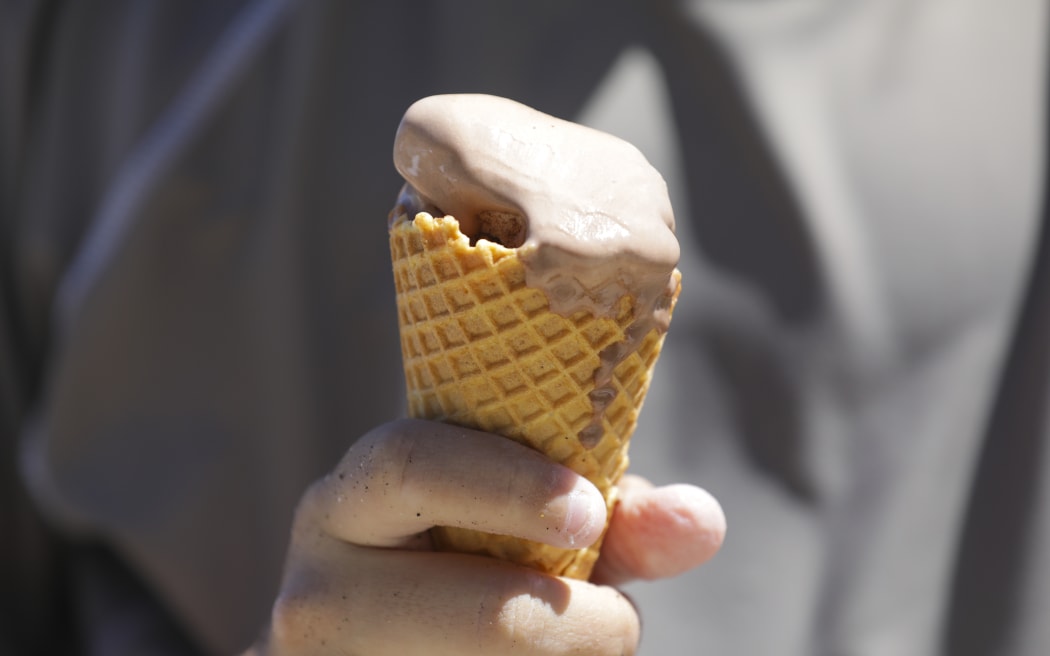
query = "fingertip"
{"x": 696, "y": 513}
{"x": 661, "y": 532}
{"x": 585, "y": 515}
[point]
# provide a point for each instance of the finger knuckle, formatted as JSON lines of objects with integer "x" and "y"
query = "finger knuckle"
{"x": 368, "y": 471}
{"x": 293, "y": 621}
{"x": 310, "y": 614}
{"x": 379, "y": 461}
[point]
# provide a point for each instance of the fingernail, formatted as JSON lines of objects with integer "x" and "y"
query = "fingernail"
{"x": 584, "y": 514}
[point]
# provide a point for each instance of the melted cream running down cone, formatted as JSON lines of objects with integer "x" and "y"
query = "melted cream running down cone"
{"x": 482, "y": 346}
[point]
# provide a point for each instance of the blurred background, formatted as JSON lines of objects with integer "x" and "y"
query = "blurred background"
{"x": 198, "y": 313}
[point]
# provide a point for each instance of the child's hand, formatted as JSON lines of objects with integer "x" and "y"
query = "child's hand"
{"x": 361, "y": 577}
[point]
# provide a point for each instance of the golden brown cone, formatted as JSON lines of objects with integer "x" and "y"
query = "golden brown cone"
{"x": 481, "y": 349}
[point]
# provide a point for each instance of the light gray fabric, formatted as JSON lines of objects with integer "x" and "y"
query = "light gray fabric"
{"x": 198, "y": 283}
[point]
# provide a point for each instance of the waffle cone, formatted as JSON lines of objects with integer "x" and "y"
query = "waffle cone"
{"x": 483, "y": 350}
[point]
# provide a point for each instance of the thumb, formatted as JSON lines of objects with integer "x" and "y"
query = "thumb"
{"x": 659, "y": 532}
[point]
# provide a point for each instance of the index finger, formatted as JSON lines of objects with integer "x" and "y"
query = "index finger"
{"x": 408, "y": 476}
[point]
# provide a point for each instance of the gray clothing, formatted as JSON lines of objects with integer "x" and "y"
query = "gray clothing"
{"x": 198, "y": 311}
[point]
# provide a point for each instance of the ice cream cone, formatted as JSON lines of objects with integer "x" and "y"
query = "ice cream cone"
{"x": 484, "y": 350}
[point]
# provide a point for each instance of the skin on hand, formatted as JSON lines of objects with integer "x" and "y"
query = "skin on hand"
{"x": 659, "y": 532}
{"x": 360, "y": 577}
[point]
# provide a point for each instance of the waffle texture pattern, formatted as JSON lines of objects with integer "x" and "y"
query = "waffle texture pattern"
{"x": 481, "y": 349}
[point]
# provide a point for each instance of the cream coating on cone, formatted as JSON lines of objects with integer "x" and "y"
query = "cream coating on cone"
{"x": 551, "y": 338}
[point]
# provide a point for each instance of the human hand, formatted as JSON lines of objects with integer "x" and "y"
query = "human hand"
{"x": 361, "y": 578}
